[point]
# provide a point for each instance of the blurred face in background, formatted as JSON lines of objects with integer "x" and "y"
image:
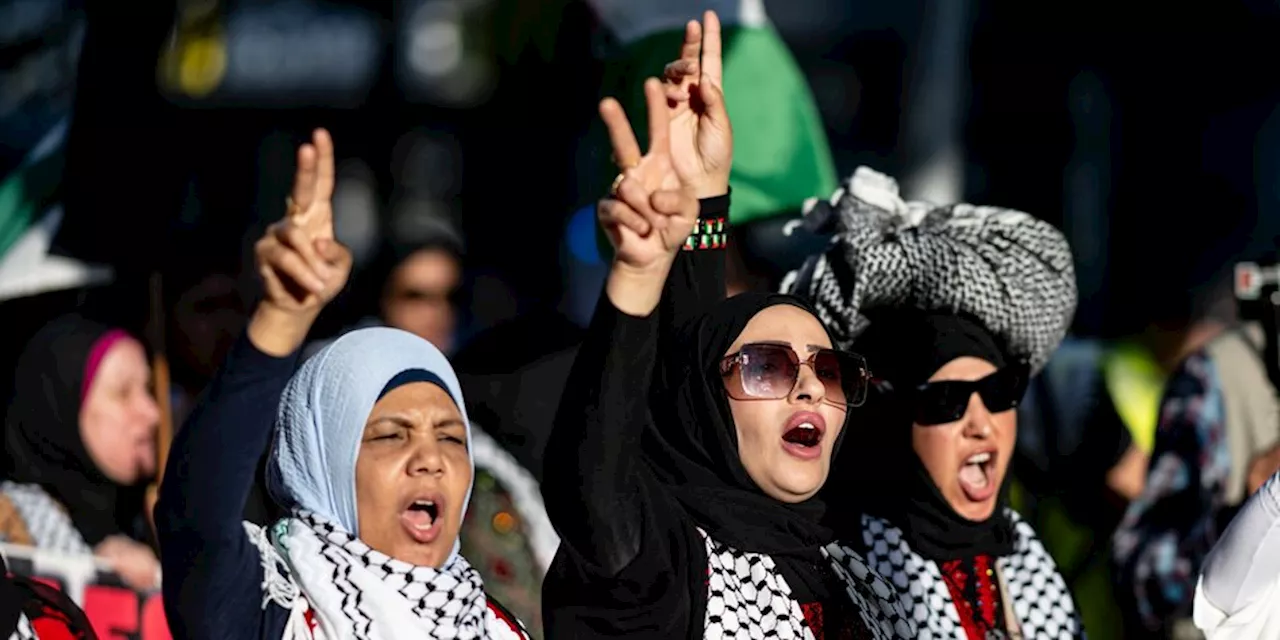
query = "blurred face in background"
{"x": 207, "y": 317}
{"x": 419, "y": 296}
{"x": 118, "y": 417}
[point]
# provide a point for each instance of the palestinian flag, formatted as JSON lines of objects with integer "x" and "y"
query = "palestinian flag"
{"x": 781, "y": 155}
{"x": 30, "y": 215}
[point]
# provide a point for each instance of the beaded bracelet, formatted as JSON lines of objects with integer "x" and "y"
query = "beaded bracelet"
{"x": 707, "y": 233}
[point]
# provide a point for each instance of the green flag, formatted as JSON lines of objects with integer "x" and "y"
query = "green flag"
{"x": 781, "y": 156}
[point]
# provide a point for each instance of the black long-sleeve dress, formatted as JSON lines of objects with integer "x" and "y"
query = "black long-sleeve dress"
{"x": 633, "y": 561}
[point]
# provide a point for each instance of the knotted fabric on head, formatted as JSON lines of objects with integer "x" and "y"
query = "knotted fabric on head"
{"x": 692, "y": 445}
{"x": 323, "y": 411}
{"x": 42, "y": 439}
{"x": 913, "y": 286}
{"x": 1011, "y": 273}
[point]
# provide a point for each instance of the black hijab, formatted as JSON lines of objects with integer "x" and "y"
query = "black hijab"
{"x": 904, "y": 348}
{"x": 42, "y": 442}
{"x": 692, "y": 446}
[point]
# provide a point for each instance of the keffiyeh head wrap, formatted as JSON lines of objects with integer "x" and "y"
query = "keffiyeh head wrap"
{"x": 322, "y": 416}
{"x": 1003, "y": 268}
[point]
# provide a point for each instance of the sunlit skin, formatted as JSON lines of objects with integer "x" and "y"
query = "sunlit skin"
{"x": 944, "y": 448}
{"x": 119, "y": 417}
{"x": 760, "y": 424}
{"x": 414, "y": 446}
{"x": 417, "y": 297}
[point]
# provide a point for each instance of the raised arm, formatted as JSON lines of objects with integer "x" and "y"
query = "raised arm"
{"x": 212, "y": 575}
{"x": 701, "y": 140}
{"x": 591, "y": 480}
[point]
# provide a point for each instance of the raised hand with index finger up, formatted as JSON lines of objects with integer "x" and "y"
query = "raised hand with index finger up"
{"x": 301, "y": 264}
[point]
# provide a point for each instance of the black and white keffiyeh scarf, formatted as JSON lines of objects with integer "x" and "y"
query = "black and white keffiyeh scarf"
{"x": 1041, "y": 601}
{"x": 748, "y": 598}
{"x": 1008, "y": 270}
{"x": 336, "y": 587}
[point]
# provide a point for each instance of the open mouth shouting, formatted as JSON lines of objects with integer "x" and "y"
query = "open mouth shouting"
{"x": 977, "y": 475}
{"x": 802, "y": 435}
{"x": 423, "y": 517}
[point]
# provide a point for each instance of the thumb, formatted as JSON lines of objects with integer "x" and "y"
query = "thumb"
{"x": 713, "y": 99}
{"x": 673, "y": 203}
{"x": 332, "y": 251}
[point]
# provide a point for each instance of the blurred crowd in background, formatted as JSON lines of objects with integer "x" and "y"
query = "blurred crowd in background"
{"x": 144, "y": 146}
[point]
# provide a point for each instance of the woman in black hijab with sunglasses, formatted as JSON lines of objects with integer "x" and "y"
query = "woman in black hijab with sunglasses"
{"x": 953, "y": 307}
{"x": 695, "y": 432}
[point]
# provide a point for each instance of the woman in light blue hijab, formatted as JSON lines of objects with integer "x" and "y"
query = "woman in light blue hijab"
{"x": 370, "y": 454}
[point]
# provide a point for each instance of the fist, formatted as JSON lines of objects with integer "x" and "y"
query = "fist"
{"x": 300, "y": 274}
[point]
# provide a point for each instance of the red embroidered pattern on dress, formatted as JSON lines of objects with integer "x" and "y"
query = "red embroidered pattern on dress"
{"x": 969, "y": 582}
{"x": 813, "y": 615}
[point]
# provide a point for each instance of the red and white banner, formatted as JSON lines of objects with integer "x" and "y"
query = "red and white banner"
{"x": 116, "y": 611}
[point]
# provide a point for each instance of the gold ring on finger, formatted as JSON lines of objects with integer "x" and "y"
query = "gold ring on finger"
{"x": 617, "y": 182}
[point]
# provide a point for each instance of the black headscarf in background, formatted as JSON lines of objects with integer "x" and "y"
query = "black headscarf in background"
{"x": 904, "y": 347}
{"x": 42, "y": 443}
{"x": 692, "y": 446}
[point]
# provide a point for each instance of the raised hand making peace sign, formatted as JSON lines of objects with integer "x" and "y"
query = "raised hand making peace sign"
{"x": 650, "y": 215}
{"x": 701, "y": 136}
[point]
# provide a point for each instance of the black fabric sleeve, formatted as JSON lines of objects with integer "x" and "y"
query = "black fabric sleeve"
{"x": 591, "y": 463}
{"x": 630, "y": 562}
{"x": 212, "y": 573}
{"x": 697, "y": 278}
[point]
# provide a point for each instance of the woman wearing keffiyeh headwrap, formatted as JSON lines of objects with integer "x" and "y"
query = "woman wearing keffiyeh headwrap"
{"x": 79, "y": 447}
{"x": 370, "y": 455}
{"x": 695, "y": 432}
{"x": 954, "y": 307}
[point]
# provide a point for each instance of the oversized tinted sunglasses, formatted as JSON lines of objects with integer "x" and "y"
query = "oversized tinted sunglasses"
{"x": 946, "y": 401}
{"x": 766, "y": 371}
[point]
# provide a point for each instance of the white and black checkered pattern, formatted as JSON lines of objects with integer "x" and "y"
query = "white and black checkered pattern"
{"x": 748, "y": 599}
{"x": 359, "y": 593}
{"x": 23, "y": 631}
{"x": 1040, "y": 598}
{"x": 46, "y": 520}
{"x": 1010, "y": 271}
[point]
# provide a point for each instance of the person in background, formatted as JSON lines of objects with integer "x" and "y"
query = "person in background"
{"x": 1219, "y": 426}
{"x": 414, "y": 285}
{"x": 953, "y": 307}
{"x": 1078, "y": 464}
{"x": 79, "y": 448}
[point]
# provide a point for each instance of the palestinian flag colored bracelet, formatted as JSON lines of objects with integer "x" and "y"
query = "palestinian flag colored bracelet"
{"x": 708, "y": 233}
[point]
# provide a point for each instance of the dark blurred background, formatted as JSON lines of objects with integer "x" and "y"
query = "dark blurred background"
{"x": 185, "y": 117}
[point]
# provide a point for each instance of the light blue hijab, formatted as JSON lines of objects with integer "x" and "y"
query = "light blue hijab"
{"x": 321, "y": 418}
